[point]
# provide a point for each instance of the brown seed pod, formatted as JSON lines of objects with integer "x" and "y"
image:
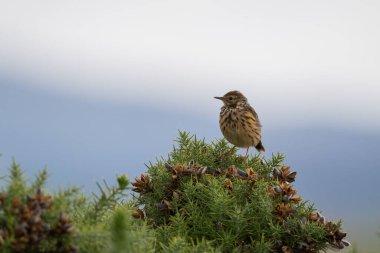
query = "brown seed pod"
{"x": 138, "y": 214}
{"x": 284, "y": 174}
{"x": 228, "y": 184}
{"x": 286, "y": 249}
{"x": 143, "y": 184}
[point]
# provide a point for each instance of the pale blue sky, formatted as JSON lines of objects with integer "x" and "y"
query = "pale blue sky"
{"x": 93, "y": 88}
{"x": 322, "y": 57}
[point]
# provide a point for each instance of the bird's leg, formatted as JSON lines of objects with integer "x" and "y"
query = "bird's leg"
{"x": 246, "y": 154}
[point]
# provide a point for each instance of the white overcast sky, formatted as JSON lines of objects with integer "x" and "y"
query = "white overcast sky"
{"x": 295, "y": 60}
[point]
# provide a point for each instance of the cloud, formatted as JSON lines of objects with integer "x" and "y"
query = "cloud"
{"x": 297, "y": 61}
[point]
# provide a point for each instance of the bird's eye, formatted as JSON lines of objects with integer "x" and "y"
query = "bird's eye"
{"x": 230, "y": 98}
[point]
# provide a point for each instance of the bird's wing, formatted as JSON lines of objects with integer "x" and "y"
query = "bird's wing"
{"x": 253, "y": 112}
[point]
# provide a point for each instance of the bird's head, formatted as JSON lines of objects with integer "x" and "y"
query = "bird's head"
{"x": 233, "y": 98}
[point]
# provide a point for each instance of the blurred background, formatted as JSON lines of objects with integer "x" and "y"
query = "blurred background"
{"x": 92, "y": 89}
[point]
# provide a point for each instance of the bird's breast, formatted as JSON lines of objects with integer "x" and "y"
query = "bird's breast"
{"x": 238, "y": 129}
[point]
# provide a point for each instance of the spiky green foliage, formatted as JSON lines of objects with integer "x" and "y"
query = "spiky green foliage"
{"x": 32, "y": 221}
{"x": 94, "y": 215}
{"x": 203, "y": 198}
{"x": 208, "y": 192}
{"x": 129, "y": 235}
{"x": 28, "y": 221}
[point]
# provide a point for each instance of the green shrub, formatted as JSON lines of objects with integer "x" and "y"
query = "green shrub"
{"x": 208, "y": 193}
{"x": 203, "y": 198}
{"x": 30, "y": 221}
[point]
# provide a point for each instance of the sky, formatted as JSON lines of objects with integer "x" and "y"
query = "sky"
{"x": 92, "y": 89}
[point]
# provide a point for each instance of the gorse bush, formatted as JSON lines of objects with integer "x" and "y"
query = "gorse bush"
{"x": 207, "y": 192}
{"x": 29, "y": 219}
{"x": 203, "y": 198}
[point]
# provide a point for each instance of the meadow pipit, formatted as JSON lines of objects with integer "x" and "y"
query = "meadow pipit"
{"x": 239, "y": 122}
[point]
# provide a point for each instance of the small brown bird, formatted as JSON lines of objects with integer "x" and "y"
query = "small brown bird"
{"x": 239, "y": 122}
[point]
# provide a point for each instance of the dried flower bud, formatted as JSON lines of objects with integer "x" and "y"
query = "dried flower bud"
{"x": 232, "y": 171}
{"x": 190, "y": 165}
{"x": 283, "y": 210}
{"x": 285, "y": 198}
{"x": 143, "y": 184}
{"x": 164, "y": 205}
{"x": 286, "y": 249}
{"x": 241, "y": 173}
{"x": 175, "y": 195}
{"x": 168, "y": 167}
{"x": 21, "y": 229}
{"x": 16, "y": 202}
{"x": 284, "y": 174}
{"x": 182, "y": 211}
{"x": 138, "y": 214}
{"x": 252, "y": 174}
{"x": 277, "y": 189}
{"x": 2, "y": 196}
{"x": 276, "y": 173}
{"x": 346, "y": 243}
{"x": 228, "y": 184}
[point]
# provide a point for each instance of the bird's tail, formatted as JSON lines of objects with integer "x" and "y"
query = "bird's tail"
{"x": 260, "y": 147}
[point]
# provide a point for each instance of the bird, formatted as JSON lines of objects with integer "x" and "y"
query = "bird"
{"x": 239, "y": 122}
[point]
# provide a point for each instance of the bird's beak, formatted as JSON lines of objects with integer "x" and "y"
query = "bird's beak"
{"x": 221, "y": 98}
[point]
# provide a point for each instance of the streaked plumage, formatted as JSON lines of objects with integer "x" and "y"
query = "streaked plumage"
{"x": 239, "y": 122}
